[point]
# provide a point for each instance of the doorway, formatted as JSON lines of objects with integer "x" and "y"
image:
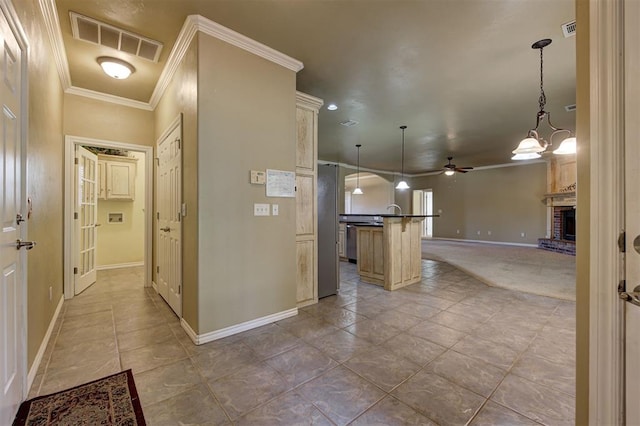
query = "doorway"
{"x": 118, "y": 190}
{"x": 423, "y": 205}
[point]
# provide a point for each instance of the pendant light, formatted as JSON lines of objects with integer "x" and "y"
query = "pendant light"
{"x": 533, "y": 145}
{"x": 402, "y": 184}
{"x": 358, "y": 191}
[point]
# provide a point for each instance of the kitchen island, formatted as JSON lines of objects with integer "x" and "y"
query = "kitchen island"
{"x": 389, "y": 250}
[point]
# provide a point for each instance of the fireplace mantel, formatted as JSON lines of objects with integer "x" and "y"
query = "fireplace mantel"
{"x": 553, "y": 199}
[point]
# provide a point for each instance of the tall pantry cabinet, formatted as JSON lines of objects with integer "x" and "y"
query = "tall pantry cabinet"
{"x": 307, "y": 108}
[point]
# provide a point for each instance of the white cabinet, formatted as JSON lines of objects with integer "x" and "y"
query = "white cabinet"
{"x": 116, "y": 177}
{"x": 306, "y": 198}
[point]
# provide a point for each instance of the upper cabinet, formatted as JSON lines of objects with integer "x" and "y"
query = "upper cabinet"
{"x": 306, "y": 121}
{"x": 116, "y": 177}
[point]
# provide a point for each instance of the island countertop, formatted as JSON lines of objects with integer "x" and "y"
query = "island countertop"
{"x": 390, "y": 215}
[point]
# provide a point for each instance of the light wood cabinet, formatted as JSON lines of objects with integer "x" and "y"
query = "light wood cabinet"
{"x": 342, "y": 240}
{"x": 116, "y": 177}
{"x": 390, "y": 255}
{"x": 306, "y": 198}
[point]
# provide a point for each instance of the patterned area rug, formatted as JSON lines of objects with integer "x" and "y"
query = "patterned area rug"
{"x": 112, "y": 400}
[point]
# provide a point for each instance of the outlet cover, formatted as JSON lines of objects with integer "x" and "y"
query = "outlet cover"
{"x": 274, "y": 209}
{"x": 261, "y": 209}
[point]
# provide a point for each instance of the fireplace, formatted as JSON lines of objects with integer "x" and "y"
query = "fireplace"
{"x": 563, "y": 235}
{"x": 568, "y": 225}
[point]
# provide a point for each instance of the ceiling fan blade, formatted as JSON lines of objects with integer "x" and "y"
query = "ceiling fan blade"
{"x": 461, "y": 170}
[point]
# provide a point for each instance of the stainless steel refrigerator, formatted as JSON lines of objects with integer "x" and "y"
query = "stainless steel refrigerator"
{"x": 327, "y": 230}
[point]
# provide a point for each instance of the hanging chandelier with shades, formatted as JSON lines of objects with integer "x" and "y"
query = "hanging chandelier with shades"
{"x": 534, "y": 144}
{"x": 402, "y": 184}
{"x": 358, "y": 191}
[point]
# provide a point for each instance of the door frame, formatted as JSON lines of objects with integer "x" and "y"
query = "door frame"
{"x": 69, "y": 235}
{"x": 600, "y": 166}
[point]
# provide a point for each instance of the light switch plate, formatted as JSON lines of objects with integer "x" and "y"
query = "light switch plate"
{"x": 261, "y": 209}
{"x": 274, "y": 209}
{"x": 257, "y": 177}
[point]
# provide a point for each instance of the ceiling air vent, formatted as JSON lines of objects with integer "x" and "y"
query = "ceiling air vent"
{"x": 569, "y": 29}
{"x": 570, "y": 108}
{"x": 349, "y": 123}
{"x": 96, "y": 32}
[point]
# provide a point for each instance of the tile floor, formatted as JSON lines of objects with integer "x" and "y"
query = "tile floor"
{"x": 448, "y": 351}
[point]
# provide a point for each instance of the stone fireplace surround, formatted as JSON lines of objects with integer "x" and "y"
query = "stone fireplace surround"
{"x": 561, "y": 174}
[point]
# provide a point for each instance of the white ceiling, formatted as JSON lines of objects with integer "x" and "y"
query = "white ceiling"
{"x": 459, "y": 73}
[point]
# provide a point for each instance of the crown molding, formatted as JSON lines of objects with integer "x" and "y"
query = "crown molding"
{"x": 309, "y": 101}
{"x": 52, "y": 23}
{"x": 437, "y": 172}
{"x": 105, "y": 97}
{"x": 179, "y": 50}
{"x": 216, "y": 30}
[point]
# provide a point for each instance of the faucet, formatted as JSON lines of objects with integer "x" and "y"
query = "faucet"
{"x": 396, "y": 206}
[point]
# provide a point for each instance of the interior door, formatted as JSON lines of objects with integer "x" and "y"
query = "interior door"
{"x": 632, "y": 214}
{"x": 12, "y": 324}
{"x": 169, "y": 271}
{"x": 86, "y": 195}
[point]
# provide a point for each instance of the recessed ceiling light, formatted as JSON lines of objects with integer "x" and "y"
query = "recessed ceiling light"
{"x": 116, "y": 68}
{"x": 332, "y": 107}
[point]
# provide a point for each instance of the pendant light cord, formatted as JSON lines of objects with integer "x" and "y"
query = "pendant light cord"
{"x": 358, "y": 175}
{"x": 542, "y": 101}
{"x": 402, "y": 162}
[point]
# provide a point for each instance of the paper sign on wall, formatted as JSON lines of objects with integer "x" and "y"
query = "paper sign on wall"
{"x": 281, "y": 183}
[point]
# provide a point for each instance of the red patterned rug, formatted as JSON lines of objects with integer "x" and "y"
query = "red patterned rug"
{"x": 112, "y": 400}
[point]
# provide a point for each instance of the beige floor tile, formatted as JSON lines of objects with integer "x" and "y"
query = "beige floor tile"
{"x": 382, "y": 367}
{"x": 439, "y": 399}
{"x": 437, "y": 333}
{"x": 341, "y": 394}
{"x": 537, "y": 402}
{"x": 477, "y": 376}
{"x": 558, "y": 375}
{"x": 340, "y": 345}
{"x": 144, "y": 337}
{"x": 484, "y": 350}
{"x": 152, "y": 356}
{"x": 288, "y": 409}
{"x": 372, "y": 330}
{"x": 166, "y": 381}
{"x": 247, "y": 389}
{"x": 220, "y": 361}
{"x": 390, "y": 411}
{"x": 493, "y": 414}
{"x": 271, "y": 341}
{"x": 195, "y": 406}
{"x": 300, "y": 364}
{"x": 415, "y": 349}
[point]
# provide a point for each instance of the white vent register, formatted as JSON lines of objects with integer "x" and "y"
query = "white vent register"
{"x": 96, "y": 32}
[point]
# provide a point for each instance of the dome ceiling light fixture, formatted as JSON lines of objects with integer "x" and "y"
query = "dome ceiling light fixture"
{"x": 533, "y": 145}
{"x": 115, "y": 68}
{"x": 402, "y": 184}
{"x": 358, "y": 191}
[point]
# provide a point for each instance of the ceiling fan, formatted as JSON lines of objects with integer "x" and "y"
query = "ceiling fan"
{"x": 450, "y": 169}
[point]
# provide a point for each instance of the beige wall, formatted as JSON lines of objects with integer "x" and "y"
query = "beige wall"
{"x": 377, "y": 194}
{"x": 181, "y": 97}
{"x": 506, "y": 201}
{"x": 44, "y": 178}
{"x": 122, "y": 243}
{"x": 91, "y": 118}
{"x": 583, "y": 211}
{"x": 247, "y": 264}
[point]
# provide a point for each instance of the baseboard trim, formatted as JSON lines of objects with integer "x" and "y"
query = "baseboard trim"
{"x": 119, "y": 265}
{"x": 199, "y": 339}
{"x": 499, "y": 243}
{"x": 43, "y": 346}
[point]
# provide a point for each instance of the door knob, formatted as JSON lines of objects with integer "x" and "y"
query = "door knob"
{"x": 26, "y": 244}
{"x": 19, "y": 219}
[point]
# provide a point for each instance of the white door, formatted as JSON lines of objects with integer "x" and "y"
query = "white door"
{"x": 169, "y": 271}
{"x": 86, "y": 195}
{"x": 12, "y": 326}
{"x": 632, "y": 213}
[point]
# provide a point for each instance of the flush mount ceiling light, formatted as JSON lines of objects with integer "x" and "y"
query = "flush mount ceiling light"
{"x": 533, "y": 145}
{"x": 402, "y": 184}
{"x": 332, "y": 107}
{"x": 358, "y": 191}
{"x": 115, "y": 68}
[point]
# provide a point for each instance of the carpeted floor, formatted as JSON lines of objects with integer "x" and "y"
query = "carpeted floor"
{"x": 527, "y": 269}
